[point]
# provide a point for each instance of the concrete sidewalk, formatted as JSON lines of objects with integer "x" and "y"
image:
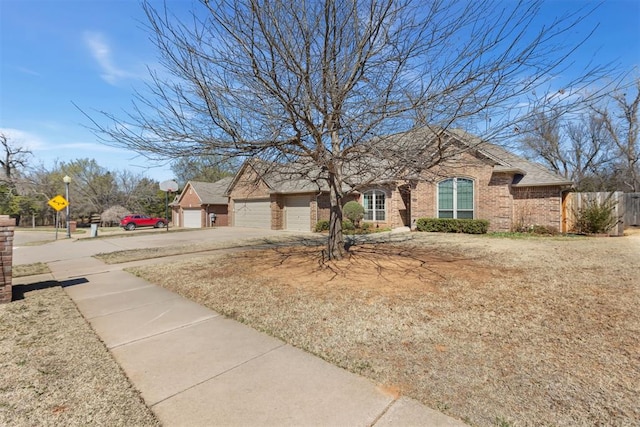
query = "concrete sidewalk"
{"x": 194, "y": 367}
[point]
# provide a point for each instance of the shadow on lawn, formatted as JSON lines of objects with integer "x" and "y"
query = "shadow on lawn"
{"x": 18, "y": 291}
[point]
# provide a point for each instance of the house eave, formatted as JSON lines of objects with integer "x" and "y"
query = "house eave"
{"x": 286, "y": 193}
{"x": 510, "y": 170}
{"x": 545, "y": 184}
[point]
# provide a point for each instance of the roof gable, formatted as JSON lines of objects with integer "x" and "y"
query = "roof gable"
{"x": 250, "y": 167}
{"x": 209, "y": 193}
{"x": 528, "y": 173}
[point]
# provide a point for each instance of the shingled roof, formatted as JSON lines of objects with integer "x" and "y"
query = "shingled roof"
{"x": 290, "y": 178}
{"x": 294, "y": 178}
{"x": 527, "y": 173}
{"x": 212, "y": 193}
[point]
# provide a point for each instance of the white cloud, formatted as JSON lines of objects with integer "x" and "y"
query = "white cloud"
{"x": 41, "y": 145}
{"x": 21, "y": 138}
{"x": 101, "y": 52}
{"x": 28, "y": 71}
{"x": 86, "y": 147}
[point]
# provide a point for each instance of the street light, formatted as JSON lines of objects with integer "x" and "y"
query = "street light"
{"x": 67, "y": 180}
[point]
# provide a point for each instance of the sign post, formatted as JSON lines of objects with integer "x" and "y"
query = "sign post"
{"x": 58, "y": 203}
{"x": 167, "y": 187}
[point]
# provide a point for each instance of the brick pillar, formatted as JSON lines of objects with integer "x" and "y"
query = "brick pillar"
{"x": 7, "y": 226}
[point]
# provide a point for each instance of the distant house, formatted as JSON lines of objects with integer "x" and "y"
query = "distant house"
{"x": 202, "y": 204}
{"x": 483, "y": 181}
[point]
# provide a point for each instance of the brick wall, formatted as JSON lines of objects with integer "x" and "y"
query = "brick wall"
{"x": 322, "y": 206}
{"x": 222, "y": 215}
{"x": 538, "y": 206}
{"x": 493, "y": 200}
{"x": 250, "y": 186}
{"x": 190, "y": 199}
{"x": 277, "y": 212}
{"x": 7, "y": 227}
{"x": 396, "y": 208}
{"x": 175, "y": 215}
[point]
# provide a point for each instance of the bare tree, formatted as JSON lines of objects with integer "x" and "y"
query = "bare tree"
{"x": 202, "y": 168}
{"x": 576, "y": 147}
{"x": 315, "y": 82}
{"x": 542, "y": 140}
{"x": 113, "y": 215}
{"x": 623, "y": 127}
{"x": 14, "y": 158}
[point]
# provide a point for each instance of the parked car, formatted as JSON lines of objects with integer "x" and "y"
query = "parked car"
{"x": 131, "y": 222}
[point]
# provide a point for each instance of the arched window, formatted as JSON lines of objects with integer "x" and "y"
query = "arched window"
{"x": 374, "y": 205}
{"x": 455, "y": 198}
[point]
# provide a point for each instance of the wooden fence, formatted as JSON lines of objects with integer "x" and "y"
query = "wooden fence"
{"x": 573, "y": 202}
{"x": 631, "y": 203}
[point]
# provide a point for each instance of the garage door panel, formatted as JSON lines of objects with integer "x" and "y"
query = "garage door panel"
{"x": 192, "y": 218}
{"x": 298, "y": 213}
{"x": 253, "y": 213}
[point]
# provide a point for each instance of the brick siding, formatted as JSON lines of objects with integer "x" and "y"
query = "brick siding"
{"x": 7, "y": 227}
{"x": 495, "y": 202}
{"x": 538, "y": 206}
{"x": 495, "y": 199}
{"x": 489, "y": 195}
{"x": 277, "y": 212}
{"x": 190, "y": 199}
{"x": 222, "y": 214}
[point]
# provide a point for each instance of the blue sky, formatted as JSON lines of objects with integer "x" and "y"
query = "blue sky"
{"x": 95, "y": 53}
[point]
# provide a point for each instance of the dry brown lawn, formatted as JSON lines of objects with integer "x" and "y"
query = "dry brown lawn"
{"x": 54, "y": 370}
{"x": 494, "y": 331}
{"x": 29, "y": 269}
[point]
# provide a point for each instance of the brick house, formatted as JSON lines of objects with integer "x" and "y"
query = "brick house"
{"x": 481, "y": 181}
{"x": 199, "y": 202}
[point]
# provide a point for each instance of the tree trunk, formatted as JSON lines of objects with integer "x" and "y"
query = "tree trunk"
{"x": 335, "y": 244}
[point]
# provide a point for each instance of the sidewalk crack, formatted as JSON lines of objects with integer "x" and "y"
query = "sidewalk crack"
{"x": 220, "y": 374}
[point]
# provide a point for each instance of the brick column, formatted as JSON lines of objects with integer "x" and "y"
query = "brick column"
{"x": 7, "y": 227}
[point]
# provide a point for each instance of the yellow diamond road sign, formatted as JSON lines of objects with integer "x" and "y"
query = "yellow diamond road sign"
{"x": 58, "y": 203}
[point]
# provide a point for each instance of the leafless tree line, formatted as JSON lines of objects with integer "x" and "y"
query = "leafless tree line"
{"x": 598, "y": 148}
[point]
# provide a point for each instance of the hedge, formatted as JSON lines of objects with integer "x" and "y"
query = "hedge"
{"x": 348, "y": 227}
{"x": 323, "y": 225}
{"x": 447, "y": 225}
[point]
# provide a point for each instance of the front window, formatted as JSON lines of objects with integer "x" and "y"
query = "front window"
{"x": 374, "y": 206}
{"x": 455, "y": 198}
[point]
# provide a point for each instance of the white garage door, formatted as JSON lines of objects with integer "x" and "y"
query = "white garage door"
{"x": 192, "y": 218}
{"x": 252, "y": 213}
{"x": 297, "y": 213}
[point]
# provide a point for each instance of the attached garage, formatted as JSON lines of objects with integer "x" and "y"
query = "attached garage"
{"x": 297, "y": 213}
{"x": 198, "y": 200}
{"x": 192, "y": 218}
{"x": 254, "y": 213}
{"x": 265, "y": 198}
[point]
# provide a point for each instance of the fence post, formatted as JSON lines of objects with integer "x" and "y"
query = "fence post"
{"x": 632, "y": 209}
{"x": 620, "y": 212}
{"x": 7, "y": 227}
